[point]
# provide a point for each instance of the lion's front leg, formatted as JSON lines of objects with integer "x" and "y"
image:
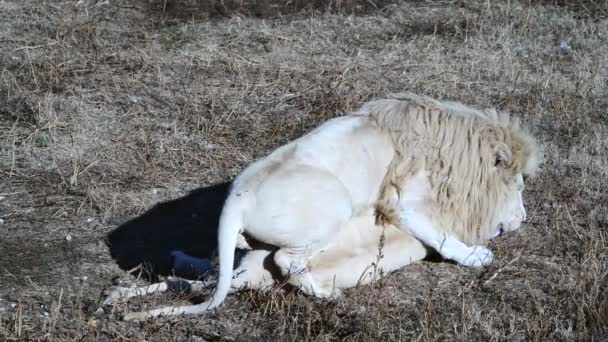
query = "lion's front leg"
{"x": 413, "y": 218}
{"x": 449, "y": 247}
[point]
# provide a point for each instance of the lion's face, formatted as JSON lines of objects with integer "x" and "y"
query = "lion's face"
{"x": 509, "y": 170}
{"x": 513, "y": 212}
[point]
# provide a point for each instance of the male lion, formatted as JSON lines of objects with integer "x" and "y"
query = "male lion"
{"x": 447, "y": 174}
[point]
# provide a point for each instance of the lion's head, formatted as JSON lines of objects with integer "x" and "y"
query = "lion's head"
{"x": 476, "y": 162}
{"x": 511, "y": 156}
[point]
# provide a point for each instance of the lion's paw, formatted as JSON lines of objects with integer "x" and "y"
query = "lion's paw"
{"x": 477, "y": 256}
{"x": 117, "y": 293}
{"x": 136, "y": 316}
{"x": 241, "y": 243}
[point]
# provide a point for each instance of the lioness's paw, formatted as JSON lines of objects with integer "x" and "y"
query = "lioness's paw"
{"x": 477, "y": 256}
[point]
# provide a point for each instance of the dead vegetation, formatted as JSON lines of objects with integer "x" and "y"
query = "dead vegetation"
{"x": 107, "y": 107}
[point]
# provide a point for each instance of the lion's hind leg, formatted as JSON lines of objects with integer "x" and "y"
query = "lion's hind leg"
{"x": 302, "y": 211}
{"x": 252, "y": 273}
{"x": 294, "y": 266}
{"x": 363, "y": 252}
{"x": 123, "y": 293}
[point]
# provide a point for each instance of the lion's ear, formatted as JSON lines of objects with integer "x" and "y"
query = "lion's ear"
{"x": 502, "y": 156}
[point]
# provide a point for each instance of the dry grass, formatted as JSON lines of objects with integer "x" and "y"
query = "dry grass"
{"x": 213, "y": 87}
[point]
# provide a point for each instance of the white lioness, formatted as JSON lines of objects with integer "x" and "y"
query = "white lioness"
{"x": 447, "y": 174}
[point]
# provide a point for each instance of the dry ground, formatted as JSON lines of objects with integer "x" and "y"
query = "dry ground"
{"x": 107, "y": 107}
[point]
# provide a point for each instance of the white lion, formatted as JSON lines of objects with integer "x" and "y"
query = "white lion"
{"x": 449, "y": 175}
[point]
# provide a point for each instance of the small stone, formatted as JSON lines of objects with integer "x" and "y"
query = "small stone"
{"x": 133, "y": 99}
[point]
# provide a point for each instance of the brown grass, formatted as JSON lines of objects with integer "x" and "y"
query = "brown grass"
{"x": 216, "y": 89}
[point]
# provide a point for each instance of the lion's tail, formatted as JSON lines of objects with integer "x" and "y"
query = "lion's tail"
{"x": 231, "y": 224}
